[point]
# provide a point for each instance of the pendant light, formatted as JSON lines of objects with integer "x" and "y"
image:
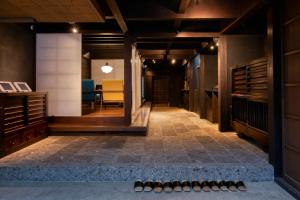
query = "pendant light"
{"x": 106, "y": 68}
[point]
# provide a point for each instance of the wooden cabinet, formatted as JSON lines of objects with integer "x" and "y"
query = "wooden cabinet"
{"x": 250, "y": 100}
{"x": 22, "y": 120}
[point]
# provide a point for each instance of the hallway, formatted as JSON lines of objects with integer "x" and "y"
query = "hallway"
{"x": 178, "y": 145}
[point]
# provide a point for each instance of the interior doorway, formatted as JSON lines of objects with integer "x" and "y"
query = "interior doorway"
{"x": 161, "y": 90}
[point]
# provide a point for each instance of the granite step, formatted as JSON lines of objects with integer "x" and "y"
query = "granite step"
{"x": 252, "y": 173}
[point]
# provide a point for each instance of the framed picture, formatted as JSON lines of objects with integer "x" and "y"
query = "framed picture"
{"x": 7, "y": 86}
{"x": 22, "y": 87}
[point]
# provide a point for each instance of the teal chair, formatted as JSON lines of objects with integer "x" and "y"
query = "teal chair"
{"x": 88, "y": 95}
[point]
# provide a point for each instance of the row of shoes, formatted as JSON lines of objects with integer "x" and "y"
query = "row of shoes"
{"x": 187, "y": 186}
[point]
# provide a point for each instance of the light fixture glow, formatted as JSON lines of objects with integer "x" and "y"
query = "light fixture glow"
{"x": 153, "y": 61}
{"x": 74, "y": 27}
{"x": 173, "y": 61}
{"x": 217, "y": 44}
{"x": 106, "y": 68}
{"x": 212, "y": 47}
{"x": 74, "y": 30}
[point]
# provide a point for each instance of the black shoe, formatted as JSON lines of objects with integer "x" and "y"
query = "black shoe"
{"x": 231, "y": 186}
{"x": 241, "y": 186}
{"x": 158, "y": 186}
{"x": 223, "y": 186}
{"x": 214, "y": 185}
{"x": 186, "y": 186}
{"x": 196, "y": 186}
{"x": 205, "y": 186}
{"x": 148, "y": 186}
{"x": 138, "y": 186}
{"x": 168, "y": 187}
{"x": 177, "y": 186}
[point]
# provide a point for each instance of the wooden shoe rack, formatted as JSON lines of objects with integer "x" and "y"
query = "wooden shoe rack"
{"x": 22, "y": 120}
{"x": 250, "y": 100}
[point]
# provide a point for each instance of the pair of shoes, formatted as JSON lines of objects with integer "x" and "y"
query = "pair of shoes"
{"x": 182, "y": 186}
{"x": 235, "y": 186}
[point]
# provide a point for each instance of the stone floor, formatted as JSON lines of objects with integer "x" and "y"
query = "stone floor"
{"x": 178, "y": 145}
{"x": 124, "y": 191}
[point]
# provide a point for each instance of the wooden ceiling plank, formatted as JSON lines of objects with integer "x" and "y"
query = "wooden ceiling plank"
{"x": 246, "y": 14}
{"x": 117, "y": 14}
{"x": 52, "y": 11}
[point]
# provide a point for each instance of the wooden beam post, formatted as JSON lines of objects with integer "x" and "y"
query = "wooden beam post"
{"x": 248, "y": 12}
{"x": 129, "y": 41}
{"x": 117, "y": 14}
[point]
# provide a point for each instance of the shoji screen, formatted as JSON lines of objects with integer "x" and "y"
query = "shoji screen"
{"x": 58, "y": 72}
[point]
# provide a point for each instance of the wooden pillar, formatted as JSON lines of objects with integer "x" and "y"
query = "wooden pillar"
{"x": 129, "y": 41}
{"x": 224, "y": 86}
{"x": 274, "y": 88}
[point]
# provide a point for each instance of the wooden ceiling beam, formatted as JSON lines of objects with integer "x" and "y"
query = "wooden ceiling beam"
{"x": 152, "y": 52}
{"x": 202, "y": 10}
{"x": 153, "y": 56}
{"x": 117, "y": 14}
{"x": 246, "y": 14}
{"x": 183, "y": 5}
{"x": 178, "y": 35}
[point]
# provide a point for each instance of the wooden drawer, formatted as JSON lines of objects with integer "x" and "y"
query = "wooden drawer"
{"x": 42, "y": 130}
{"x": 12, "y": 142}
{"x": 29, "y": 135}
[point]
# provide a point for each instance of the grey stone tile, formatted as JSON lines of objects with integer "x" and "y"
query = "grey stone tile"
{"x": 129, "y": 159}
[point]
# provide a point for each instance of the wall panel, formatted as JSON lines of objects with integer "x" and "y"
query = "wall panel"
{"x": 58, "y": 72}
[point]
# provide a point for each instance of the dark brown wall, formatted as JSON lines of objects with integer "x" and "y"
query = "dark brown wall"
{"x": 210, "y": 71}
{"x": 85, "y": 68}
{"x": 17, "y": 54}
{"x": 208, "y": 76}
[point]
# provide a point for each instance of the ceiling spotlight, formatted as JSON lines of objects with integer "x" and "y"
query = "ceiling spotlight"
{"x": 74, "y": 28}
{"x": 216, "y": 41}
{"x": 173, "y": 61}
{"x": 153, "y": 61}
{"x": 212, "y": 47}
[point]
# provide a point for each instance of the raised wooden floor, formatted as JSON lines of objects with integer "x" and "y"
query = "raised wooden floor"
{"x": 138, "y": 126}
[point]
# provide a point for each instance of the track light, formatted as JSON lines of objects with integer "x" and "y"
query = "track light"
{"x": 216, "y": 41}
{"x": 173, "y": 61}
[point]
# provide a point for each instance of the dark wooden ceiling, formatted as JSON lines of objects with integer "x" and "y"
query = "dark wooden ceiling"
{"x": 183, "y": 26}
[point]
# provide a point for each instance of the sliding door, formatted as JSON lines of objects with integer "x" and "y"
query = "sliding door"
{"x": 291, "y": 95}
